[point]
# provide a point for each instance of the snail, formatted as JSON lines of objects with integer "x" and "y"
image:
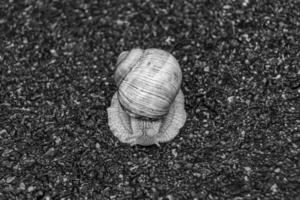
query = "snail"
{"x": 148, "y": 106}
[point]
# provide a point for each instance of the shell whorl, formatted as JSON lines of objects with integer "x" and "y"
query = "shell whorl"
{"x": 148, "y": 82}
{"x": 126, "y": 61}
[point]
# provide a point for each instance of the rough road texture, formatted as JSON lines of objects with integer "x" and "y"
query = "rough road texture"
{"x": 240, "y": 61}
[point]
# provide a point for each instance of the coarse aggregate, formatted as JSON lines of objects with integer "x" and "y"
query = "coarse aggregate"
{"x": 241, "y": 80}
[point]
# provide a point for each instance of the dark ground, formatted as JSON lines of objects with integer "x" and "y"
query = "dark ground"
{"x": 240, "y": 62}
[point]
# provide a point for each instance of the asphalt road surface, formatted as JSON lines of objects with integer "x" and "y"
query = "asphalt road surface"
{"x": 241, "y": 80}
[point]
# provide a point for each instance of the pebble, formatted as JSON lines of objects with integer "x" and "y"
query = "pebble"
{"x": 22, "y": 186}
{"x": 174, "y": 153}
{"x": 57, "y": 140}
{"x": 10, "y": 179}
{"x": 248, "y": 169}
{"x": 170, "y": 197}
{"x": 53, "y": 52}
{"x": 230, "y": 99}
{"x": 206, "y": 69}
{"x": 277, "y": 170}
{"x": 97, "y": 145}
{"x": 176, "y": 166}
{"x": 274, "y": 188}
{"x": 245, "y": 3}
{"x": 31, "y": 188}
{"x": 47, "y": 197}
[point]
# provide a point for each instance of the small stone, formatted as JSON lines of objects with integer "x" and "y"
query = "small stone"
{"x": 243, "y": 133}
{"x": 185, "y": 58}
{"x": 53, "y": 52}
{"x": 57, "y": 140}
{"x": 248, "y": 169}
{"x": 245, "y": 3}
{"x": 174, "y": 153}
{"x": 169, "y": 40}
{"x": 176, "y": 166}
{"x": 47, "y": 197}
{"x": 277, "y": 77}
{"x": 206, "y": 69}
{"x": 2, "y": 21}
{"x": 277, "y": 170}
{"x": 189, "y": 165}
{"x": 10, "y": 179}
{"x": 8, "y": 188}
{"x": 97, "y": 145}
{"x": 234, "y": 43}
{"x": 22, "y": 186}
{"x": 274, "y": 188}
{"x": 170, "y": 197}
{"x": 120, "y": 22}
{"x": 31, "y": 188}
{"x": 230, "y": 99}
{"x": 226, "y": 7}
{"x": 50, "y": 152}
{"x": 6, "y": 152}
{"x": 197, "y": 174}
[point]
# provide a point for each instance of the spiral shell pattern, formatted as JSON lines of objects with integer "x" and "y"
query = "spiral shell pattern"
{"x": 148, "y": 82}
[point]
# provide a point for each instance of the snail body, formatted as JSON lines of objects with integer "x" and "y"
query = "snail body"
{"x": 148, "y": 106}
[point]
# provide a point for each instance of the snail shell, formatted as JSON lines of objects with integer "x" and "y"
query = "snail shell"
{"x": 148, "y": 82}
{"x": 148, "y": 107}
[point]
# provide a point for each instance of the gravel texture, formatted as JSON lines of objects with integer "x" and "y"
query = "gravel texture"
{"x": 241, "y": 80}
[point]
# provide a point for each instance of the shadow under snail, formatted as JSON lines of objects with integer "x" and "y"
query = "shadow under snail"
{"x": 148, "y": 107}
